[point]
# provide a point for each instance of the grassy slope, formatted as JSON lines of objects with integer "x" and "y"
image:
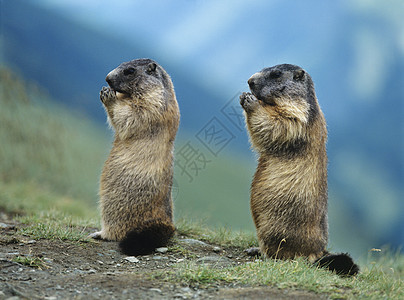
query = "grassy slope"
{"x": 44, "y": 144}
{"x": 49, "y": 165}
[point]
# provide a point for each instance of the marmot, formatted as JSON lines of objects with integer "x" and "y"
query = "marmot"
{"x": 135, "y": 189}
{"x": 289, "y": 190}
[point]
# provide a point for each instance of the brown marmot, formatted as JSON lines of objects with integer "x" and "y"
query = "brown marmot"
{"x": 289, "y": 190}
{"x": 135, "y": 189}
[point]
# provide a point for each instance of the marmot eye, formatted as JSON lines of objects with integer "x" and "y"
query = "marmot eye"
{"x": 128, "y": 71}
{"x": 275, "y": 74}
{"x": 299, "y": 75}
{"x": 151, "y": 68}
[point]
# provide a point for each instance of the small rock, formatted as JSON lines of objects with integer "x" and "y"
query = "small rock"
{"x": 158, "y": 257}
{"x": 6, "y": 226}
{"x": 214, "y": 260}
{"x": 31, "y": 242}
{"x": 162, "y": 250}
{"x": 100, "y": 262}
{"x": 253, "y": 251}
{"x": 186, "y": 290}
{"x": 180, "y": 296}
{"x": 193, "y": 242}
{"x": 217, "y": 249}
{"x": 155, "y": 290}
{"x": 131, "y": 259}
{"x": 91, "y": 271}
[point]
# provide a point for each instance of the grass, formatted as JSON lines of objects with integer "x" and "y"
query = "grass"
{"x": 55, "y": 225}
{"x": 35, "y": 262}
{"x": 43, "y": 144}
{"x": 49, "y": 163}
{"x": 373, "y": 283}
{"x": 380, "y": 277}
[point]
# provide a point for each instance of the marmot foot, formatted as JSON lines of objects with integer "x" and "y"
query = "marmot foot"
{"x": 107, "y": 95}
{"x": 248, "y": 101}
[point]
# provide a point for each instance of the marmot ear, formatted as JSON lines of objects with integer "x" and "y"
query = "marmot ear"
{"x": 151, "y": 67}
{"x": 299, "y": 74}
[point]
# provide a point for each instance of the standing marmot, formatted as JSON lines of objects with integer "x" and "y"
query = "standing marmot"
{"x": 135, "y": 191}
{"x": 289, "y": 190}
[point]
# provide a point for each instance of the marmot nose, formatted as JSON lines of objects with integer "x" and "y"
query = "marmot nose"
{"x": 111, "y": 77}
{"x": 108, "y": 80}
{"x": 251, "y": 82}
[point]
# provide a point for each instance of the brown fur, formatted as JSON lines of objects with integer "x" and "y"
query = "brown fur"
{"x": 135, "y": 189}
{"x": 289, "y": 189}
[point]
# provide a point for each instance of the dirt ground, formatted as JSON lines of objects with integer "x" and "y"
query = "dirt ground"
{"x": 97, "y": 270}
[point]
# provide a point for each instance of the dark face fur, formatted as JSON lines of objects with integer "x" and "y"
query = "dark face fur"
{"x": 283, "y": 82}
{"x": 138, "y": 77}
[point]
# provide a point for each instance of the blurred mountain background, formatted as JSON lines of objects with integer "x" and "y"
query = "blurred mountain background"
{"x": 57, "y": 53}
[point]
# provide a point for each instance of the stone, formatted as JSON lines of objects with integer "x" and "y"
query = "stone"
{"x": 217, "y": 249}
{"x": 193, "y": 242}
{"x": 6, "y": 226}
{"x": 158, "y": 257}
{"x": 162, "y": 250}
{"x": 219, "y": 260}
{"x": 253, "y": 251}
{"x": 131, "y": 259}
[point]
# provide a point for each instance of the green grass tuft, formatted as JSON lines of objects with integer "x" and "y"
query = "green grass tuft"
{"x": 56, "y": 225}
{"x": 35, "y": 262}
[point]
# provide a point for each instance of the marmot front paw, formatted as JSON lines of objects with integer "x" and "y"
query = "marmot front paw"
{"x": 248, "y": 101}
{"x": 107, "y": 95}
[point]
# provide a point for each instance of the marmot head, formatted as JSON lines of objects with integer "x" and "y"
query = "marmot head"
{"x": 140, "y": 79}
{"x": 288, "y": 88}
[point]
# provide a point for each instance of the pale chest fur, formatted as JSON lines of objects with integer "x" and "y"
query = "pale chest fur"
{"x": 286, "y": 182}
{"x": 146, "y": 157}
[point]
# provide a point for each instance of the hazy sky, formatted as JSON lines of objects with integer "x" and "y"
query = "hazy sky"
{"x": 224, "y": 42}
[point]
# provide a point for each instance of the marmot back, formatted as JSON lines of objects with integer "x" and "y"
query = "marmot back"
{"x": 289, "y": 190}
{"x": 135, "y": 189}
